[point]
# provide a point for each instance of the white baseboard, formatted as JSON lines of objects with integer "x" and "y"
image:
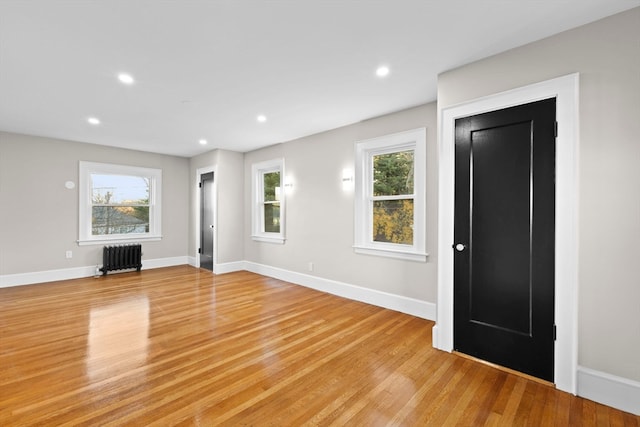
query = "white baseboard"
{"x": 412, "y": 306}
{"x": 8, "y": 280}
{"x": 610, "y": 390}
{"x": 225, "y": 267}
{"x": 164, "y": 262}
{"x": 229, "y": 267}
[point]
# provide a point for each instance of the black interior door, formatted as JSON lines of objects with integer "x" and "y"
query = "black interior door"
{"x": 504, "y": 237}
{"x": 206, "y": 221}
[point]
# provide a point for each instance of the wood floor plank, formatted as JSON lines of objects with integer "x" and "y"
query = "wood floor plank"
{"x": 182, "y": 346}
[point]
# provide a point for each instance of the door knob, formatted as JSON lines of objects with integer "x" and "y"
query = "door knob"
{"x": 460, "y": 247}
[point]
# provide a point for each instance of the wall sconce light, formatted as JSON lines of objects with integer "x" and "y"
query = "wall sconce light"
{"x": 288, "y": 184}
{"x": 288, "y": 187}
{"x": 347, "y": 179}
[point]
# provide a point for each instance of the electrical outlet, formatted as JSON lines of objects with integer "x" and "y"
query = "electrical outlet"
{"x": 310, "y": 266}
{"x": 69, "y": 254}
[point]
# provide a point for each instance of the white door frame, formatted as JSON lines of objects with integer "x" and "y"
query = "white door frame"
{"x": 565, "y": 89}
{"x": 199, "y": 172}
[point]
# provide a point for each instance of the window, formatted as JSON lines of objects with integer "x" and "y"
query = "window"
{"x": 118, "y": 203}
{"x": 390, "y": 196}
{"x": 268, "y": 201}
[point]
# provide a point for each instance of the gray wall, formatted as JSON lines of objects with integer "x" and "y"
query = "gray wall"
{"x": 320, "y": 216}
{"x": 229, "y": 177}
{"x": 39, "y": 216}
{"x": 607, "y": 56}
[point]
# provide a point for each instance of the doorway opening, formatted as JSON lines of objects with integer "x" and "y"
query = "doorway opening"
{"x": 205, "y": 233}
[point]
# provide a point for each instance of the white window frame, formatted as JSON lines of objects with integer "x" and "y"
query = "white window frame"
{"x": 365, "y": 151}
{"x": 154, "y": 176}
{"x": 258, "y": 170}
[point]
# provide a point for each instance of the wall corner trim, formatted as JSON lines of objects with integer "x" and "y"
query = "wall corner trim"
{"x": 617, "y": 392}
{"x": 412, "y": 306}
{"x": 434, "y": 336}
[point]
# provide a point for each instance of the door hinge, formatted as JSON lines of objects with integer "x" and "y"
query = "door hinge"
{"x": 199, "y": 250}
{"x": 199, "y": 185}
{"x": 556, "y": 130}
{"x": 555, "y": 333}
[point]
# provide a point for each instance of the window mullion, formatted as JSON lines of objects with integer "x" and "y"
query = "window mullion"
{"x": 395, "y": 197}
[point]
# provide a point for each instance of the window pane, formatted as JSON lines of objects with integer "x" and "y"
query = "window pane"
{"x": 393, "y": 221}
{"x": 119, "y": 189}
{"x": 272, "y": 217}
{"x": 393, "y": 173}
{"x": 271, "y": 186}
{"x": 119, "y": 220}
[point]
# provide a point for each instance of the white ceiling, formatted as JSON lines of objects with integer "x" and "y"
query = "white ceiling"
{"x": 206, "y": 69}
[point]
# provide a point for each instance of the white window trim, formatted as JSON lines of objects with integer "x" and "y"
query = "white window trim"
{"x": 155, "y": 221}
{"x": 409, "y": 140}
{"x": 257, "y": 213}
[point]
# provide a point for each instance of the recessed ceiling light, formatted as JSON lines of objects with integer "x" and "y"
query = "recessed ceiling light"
{"x": 203, "y": 142}
{"x": 382, "y": 71}
{"x": 125, "y": 78}
{"x": 93, "y": 120}
{"x": 261, "y": 118}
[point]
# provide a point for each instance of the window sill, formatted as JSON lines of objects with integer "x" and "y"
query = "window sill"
{"x": 119, "y": 240}
{"x": 268, "y": 239}
{"x": 389, "y": 253}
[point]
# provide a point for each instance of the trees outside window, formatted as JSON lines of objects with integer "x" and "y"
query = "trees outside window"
{"x": 271, "y": 201}
{"x": 390, "y": 199}
{"x": 118, "y": 203}
{"x": 393, "y": 184}
{"x": 268, "y": 219}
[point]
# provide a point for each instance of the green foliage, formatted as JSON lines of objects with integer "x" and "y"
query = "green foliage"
{"x": 393, "y": 173}
{"x": 393, "y": 176}
{"x": 393, "y": 221}
{"x": 271, "y": 181}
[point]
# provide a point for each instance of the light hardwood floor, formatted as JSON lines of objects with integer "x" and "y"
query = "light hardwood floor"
{"x": 181, "y": 346}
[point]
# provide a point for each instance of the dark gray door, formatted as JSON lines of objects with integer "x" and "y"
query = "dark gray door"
{"x": 206, "y": 221}
{"x": 504, "y": 237}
